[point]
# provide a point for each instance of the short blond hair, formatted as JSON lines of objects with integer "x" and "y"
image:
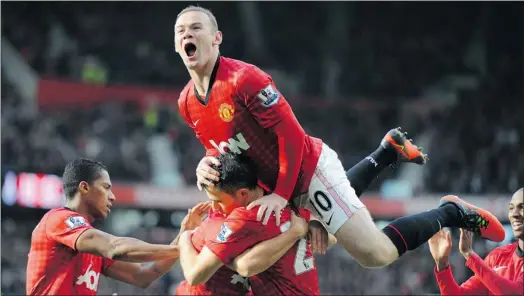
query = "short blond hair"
{"x": 208, "y": 12}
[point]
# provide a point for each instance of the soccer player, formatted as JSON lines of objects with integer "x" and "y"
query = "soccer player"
{"x": 294, "y": 273}
{"x": 67, "y": 254}
{"x": 501, "y": 273}
{"x": 235, "y": 107}
{"x": 232, "y": 280}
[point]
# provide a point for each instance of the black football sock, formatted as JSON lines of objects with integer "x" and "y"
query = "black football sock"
{"x": 408, "y": 233}
{"x": 367, "y": 170}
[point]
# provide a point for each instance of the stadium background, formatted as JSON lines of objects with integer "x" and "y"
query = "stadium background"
{"x": 101, "y": 80}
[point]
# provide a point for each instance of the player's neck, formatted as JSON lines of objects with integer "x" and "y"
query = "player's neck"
{"x": 76, "y": 206}
{"x": 257, "y": 193}
{"x": 521, "y": 244}
{"x": 202, "y": 76}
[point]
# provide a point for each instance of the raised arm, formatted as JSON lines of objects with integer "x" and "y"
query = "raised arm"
{"x": 440, "y": 248}
{"x": 496, "y": 284}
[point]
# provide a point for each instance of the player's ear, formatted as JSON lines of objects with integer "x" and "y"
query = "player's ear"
{"x": 83, "y": 187}
{"x": 242, "y": 193}
{"x": 217, "y": 38}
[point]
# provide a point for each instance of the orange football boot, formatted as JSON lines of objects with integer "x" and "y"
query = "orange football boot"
{"x": 477, "y": 220}
{"x": 406, "y": 150}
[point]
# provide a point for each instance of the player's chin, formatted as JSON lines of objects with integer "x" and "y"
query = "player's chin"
{"x": 191, "y": 64}
{"x": 103, "y": 213}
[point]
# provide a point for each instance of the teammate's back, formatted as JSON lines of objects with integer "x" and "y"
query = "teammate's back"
{"x": 294, "y": 274}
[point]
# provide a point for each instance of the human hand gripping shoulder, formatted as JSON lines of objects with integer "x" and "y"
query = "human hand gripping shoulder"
{"x": 272, "y": 111}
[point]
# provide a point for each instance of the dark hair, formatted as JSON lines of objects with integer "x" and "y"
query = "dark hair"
{"x": 236, "y": 171}
{"x": 79, "y": 170}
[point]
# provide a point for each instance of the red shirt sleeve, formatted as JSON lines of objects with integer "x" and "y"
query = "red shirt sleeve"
{"x": 496, "y": 284}
{"x": 234, "y": 238}
{"x": 448, "y": 286}
{"x": 65, "y": 227}
{"x": 271, "y": 110}
{"x": 106, "y": 263}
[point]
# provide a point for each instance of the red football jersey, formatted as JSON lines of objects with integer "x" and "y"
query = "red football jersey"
{"x": 225, "y": 281}
{"x": 243, "y": 112}
{"x": 55, "y": 267}
{"x": 294, "y": 274}
{"x": 501, "y": 273}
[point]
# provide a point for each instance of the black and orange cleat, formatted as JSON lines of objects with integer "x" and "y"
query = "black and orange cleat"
{"x": 477, "y": 220}
{"x": 406, "y": 150}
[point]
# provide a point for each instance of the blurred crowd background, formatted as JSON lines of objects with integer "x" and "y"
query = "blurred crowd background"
{"x": 450, "y": 73}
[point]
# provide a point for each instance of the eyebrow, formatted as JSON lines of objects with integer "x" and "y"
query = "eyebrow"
{"x": 192, "y": 24}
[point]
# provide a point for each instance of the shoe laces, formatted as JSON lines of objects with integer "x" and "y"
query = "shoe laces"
{"x": 474, "y": 222}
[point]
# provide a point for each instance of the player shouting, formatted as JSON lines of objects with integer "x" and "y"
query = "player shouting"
{"x": 501, "y": 273}
{"x": 235, "y": 107}
{"x": 68, "y": 255}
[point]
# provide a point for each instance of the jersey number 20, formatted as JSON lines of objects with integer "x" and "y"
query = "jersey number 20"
{"x": 303, "y": 264}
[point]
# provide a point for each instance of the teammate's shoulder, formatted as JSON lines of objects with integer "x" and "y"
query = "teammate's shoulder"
{"x": 64, "y": 215}
{"x": 499, "y": 251}
{"x": 59, "y": 212}
{"x": 243, "y": 214}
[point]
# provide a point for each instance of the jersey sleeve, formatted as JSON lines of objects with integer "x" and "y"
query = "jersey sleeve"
{"x": 448, "y": 286}
{"x": 65, "y": 227}
{"x": 495, "y": 283}
{"x": 272, "y": 111}
{"x": 234, "y": 238}
{"x": 106, "y": 263}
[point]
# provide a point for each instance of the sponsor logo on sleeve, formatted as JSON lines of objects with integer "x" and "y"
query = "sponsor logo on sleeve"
{"x": 269, "y": 96}
{"x": 75, "y": 221}
{"x": 224, "y": 233}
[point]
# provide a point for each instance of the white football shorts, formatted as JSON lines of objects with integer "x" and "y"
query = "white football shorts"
{"x": 330, "y": 195}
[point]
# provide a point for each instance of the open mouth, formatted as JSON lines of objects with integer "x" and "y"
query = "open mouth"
{"x": 517, "y": 224}
{"x": 190, "y": 49}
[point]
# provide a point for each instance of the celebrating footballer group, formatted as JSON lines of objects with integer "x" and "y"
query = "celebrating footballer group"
{"x": 276, "y": 196}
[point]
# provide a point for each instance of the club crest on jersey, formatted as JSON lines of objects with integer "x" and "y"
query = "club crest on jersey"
{"x": 224, "y": 233}
{"x": 269, "y": 96}
{"x": 226, "y": 112}
{"x": 75, "y": 221}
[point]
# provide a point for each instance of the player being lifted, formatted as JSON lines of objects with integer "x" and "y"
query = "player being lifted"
{"x": 234, "y": 106}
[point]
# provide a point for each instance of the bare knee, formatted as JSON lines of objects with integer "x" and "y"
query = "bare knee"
{"x": 365, "y": 242}
{"x": 380, "y": 253}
